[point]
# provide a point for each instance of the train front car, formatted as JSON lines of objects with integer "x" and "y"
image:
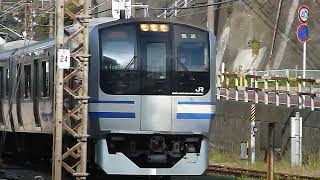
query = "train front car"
{"x": 152, "y": 89}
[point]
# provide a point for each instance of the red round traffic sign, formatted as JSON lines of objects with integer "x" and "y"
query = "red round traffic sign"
{"x": 302, "y": 33}
{"x": 303, "y": 14}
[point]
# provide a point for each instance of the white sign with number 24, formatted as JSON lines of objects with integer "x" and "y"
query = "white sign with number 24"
{"x": 63, "y": 58}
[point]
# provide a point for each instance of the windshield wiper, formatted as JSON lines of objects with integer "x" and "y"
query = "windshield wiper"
{"x": 186, "y": 69}
{"x": 127, "y": 67}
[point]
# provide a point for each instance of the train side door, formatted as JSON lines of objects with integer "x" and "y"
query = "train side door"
{"x": 156, "y": 85}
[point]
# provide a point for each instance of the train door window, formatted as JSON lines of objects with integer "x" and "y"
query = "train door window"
{"x": 18, "y": 77}
{"x": 7, "y": 83}
{"x": 156, "y": 60}
{"x": 1, "y": 96}
{"x": 118, "y": 64}
{"x": 27, "y": 81}
{"x": 45, "y": 90}
{"x": 1, "y": 83}
{"x": 19, "y": 86}
{"x": 35, "y": 90}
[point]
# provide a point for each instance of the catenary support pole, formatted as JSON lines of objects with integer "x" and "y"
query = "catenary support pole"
{"x": 59, "y": 94}
{"x": 71, "y": 86}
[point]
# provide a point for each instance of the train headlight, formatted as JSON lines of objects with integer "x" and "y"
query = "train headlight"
{"x": 164, "y": 28}
{"x": 144, "y": 27}
{"x": 154, "y": 27}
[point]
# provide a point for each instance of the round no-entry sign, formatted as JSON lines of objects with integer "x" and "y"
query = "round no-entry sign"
{"x": 302, "y": 33}
{"x": 303, "y": 13}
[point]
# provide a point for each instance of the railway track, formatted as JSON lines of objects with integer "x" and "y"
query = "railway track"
{"x": 224, "y": 170}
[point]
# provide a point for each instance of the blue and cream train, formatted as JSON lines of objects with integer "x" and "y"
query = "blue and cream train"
{"x": 151, "y": 88}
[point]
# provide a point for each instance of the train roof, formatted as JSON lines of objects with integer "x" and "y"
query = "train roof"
{"x": 17, "y": 47}
{"x": 111, "y": 21}
{"x": 23, "y": 46}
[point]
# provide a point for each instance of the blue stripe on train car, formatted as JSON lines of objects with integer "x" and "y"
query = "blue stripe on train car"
{"x": 112, "y": 114}
{"x": 109, "y": 102}
{"x": 198, "y": 103}
{"x": 195, "y": 116}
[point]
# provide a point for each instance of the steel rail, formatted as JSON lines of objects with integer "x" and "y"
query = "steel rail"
{"x": 225, "y": 170}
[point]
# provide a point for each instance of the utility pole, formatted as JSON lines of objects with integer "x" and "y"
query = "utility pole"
{"x": 71, "y": 84}
{"x": 27, "y": 18}
{"x": 270, "y": 158}
{"x": 210, "y": 16}
{"x": 275, "y": 30}
{"x": 51, "y": 22}
{"x": 133, "y": 9}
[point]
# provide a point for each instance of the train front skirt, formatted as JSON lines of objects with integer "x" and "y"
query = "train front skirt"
{"x": 118, "y": 163}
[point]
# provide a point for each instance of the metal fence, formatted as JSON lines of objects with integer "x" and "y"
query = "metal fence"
{"x": 289, "y": 73}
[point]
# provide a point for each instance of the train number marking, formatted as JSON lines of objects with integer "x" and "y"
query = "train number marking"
{"x": 63, "y": 57}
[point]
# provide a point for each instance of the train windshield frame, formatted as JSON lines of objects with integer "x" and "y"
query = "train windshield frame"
{"x": 136, "y": 62}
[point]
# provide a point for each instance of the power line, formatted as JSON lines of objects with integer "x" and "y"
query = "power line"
{"x": 102, "y": 11}
{"x": 198, "y": 6}
{"x": 204, "y": 11}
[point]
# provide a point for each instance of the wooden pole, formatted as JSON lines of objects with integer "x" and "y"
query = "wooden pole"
{"x": 270, "y": 158}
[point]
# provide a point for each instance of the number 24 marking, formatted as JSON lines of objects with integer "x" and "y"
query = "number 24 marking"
{"x": 63, "y": 58}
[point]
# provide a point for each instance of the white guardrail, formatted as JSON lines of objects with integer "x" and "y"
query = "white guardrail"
{"x": 271, "y": 87}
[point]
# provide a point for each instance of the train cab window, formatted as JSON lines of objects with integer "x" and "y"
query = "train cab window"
{"x": 191, "y": 57}
{"x": 118, "y": 64}
{"x": 192, "y": 61}
{"x": 27, "y": 81}
{"x": 45, "y": 86}
{"x": 7, "y": 83}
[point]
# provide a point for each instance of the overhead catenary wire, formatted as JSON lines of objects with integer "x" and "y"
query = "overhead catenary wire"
{"x": 204, "y": 11}
{"x": 197, "y": 6}
{"x": 201, "y": 5}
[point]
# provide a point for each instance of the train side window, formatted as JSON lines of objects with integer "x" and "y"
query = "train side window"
{"x": 27, "y": 81}
{"x": 45, "y": 91}
{"x": 7, "y": 83}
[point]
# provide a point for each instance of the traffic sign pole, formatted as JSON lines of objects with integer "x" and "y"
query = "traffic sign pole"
{"x": 304, "y": 59}
{"x": 303, "y": 35}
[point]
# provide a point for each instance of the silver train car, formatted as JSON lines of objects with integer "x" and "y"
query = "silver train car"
{"x": 152, "y": 94}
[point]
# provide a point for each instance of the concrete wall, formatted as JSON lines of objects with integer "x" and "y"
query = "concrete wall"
{"x": 232, "y": 126}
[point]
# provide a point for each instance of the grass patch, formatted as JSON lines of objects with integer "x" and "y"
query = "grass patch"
{"x": 311, "y": 163}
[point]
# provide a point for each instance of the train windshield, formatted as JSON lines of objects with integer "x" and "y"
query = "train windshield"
{"x": 118, "y": 68}
{"x": 135, "y": 62}
{"x": 191, "y": 75}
